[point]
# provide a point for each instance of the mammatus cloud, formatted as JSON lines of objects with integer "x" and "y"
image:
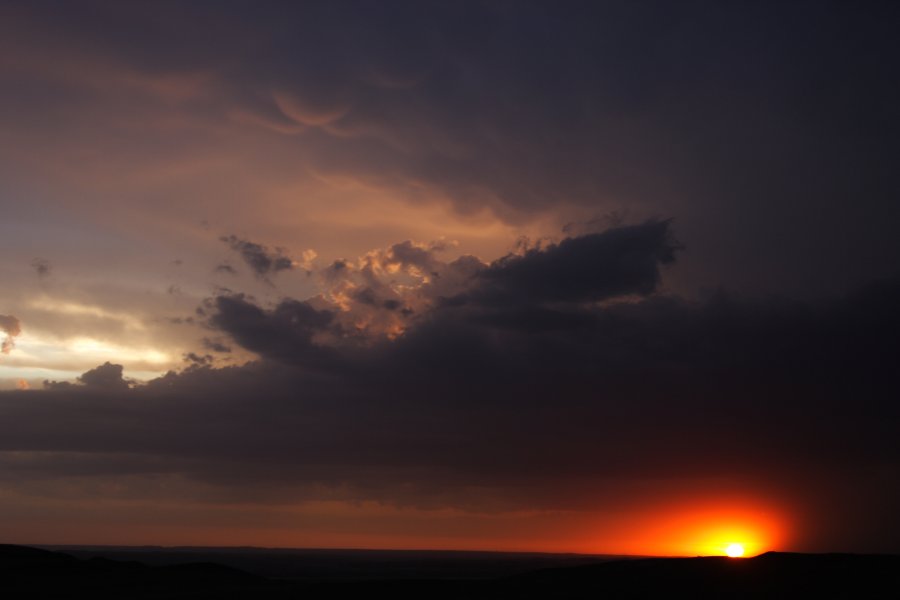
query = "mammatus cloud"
{"x": 411, "y": 103}
{"x": 11, "y": 327}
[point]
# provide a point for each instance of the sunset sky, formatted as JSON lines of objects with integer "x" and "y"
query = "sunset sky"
{"x": 613, "y": 276}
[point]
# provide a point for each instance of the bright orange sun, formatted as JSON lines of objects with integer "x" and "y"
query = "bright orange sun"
{"x": 734, "y": 550}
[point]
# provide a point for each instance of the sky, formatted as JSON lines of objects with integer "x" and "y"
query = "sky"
{"x": 616, "y": 277}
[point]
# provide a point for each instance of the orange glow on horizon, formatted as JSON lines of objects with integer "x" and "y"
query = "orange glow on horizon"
{"x": 729, "y": 527}
{"x": 679, "y": 529}
{"x": 732, "y": 531}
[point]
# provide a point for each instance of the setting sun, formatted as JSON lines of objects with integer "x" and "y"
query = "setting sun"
{"x": 716, "y": 525}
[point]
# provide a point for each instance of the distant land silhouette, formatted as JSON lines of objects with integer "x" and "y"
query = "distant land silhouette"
{"x": 27, "y": 572}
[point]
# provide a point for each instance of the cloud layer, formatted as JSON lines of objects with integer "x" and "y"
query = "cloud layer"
{"x": 556, "y": 379}
{"x": 261, "y": 260}
{"x": 744, "y": 121}
{"x": 11, "y": 327}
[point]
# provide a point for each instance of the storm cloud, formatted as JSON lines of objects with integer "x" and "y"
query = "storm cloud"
{"x": 515, "y": 403}
{"x": 287, "y": 331}
{"x": 11, "y": 327}
{"x": 744, "y": 120}
{"x": 42, "y": 267}
{"x": 261, "y": 259}
{"x": 588, "y": 268}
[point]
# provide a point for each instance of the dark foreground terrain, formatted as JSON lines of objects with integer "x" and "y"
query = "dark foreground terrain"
{"x": 35, "y": 573}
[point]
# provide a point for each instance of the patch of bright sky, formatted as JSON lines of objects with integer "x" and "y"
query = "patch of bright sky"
{"x": 36, "y": 358}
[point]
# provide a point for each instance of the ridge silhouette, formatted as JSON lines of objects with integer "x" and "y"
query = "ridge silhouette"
{"x": 27, "y": 573}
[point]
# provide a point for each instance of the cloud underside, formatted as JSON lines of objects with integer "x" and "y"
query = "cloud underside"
{"x": 724, "y": 117}
{"x": 262, "y": 260}
{"x": 10, "y": 328}
{"x": 547, "y": 379}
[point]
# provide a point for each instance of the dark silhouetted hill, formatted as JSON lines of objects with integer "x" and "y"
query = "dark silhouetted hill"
{"x": 31, "y": 573}
{"x": 771, "y": 575}
{"x": 337, "y": 564}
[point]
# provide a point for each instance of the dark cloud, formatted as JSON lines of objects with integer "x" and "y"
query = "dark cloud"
{"x": 688, "y": 109}
{"x": 216, "y": 345}
{"x": 261, "y": 259}
{"x": 336, "y": 270}
{"x": 470, "y": 412}
{"x": 365, "y": 296}
{"x": 487, "y": 388}
{"x": 743, "y": 120}
{"x": 391, "y": 304}
{"x": 287, "y": 332}
{"x": 225, "y": 268}
{"x": 407, "y": 255}
{"x": 366, "y": 299}
{"x": 589, "y": 268}
{"x": 11, "y": 327}
{"x": 107, "y": 377}
{"x": 42, "y": 267}
{"x": 198, "y": 360}
{"x": 387, "y": 290}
